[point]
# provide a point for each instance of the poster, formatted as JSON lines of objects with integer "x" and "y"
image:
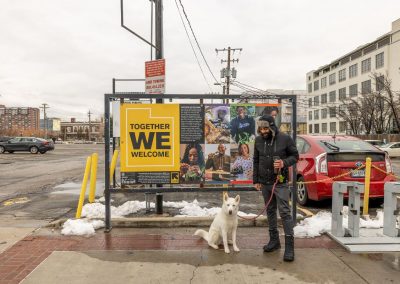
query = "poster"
{"x": 190, "y": 143}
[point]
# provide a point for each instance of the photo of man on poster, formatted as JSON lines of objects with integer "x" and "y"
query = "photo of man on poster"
{"x": 217, "y": 126}
{"x": 243, "y": 126}
{"x": 218, "y": 163}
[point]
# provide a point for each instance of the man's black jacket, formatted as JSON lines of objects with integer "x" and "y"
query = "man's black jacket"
{"x": 265, "y": 149}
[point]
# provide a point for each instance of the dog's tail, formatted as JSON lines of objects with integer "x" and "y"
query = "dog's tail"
{"x": 202, "y": 233}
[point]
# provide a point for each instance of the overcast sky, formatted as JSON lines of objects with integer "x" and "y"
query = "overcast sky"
{"x": 66, "y": 52}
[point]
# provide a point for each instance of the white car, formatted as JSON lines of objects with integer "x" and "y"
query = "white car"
{"x": 393, "y": 149}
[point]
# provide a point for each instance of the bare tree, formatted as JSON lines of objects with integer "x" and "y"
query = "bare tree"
{"x": 350, "y": 112}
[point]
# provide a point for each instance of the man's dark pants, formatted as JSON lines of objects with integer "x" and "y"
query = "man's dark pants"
{"x": 280, "y": 200}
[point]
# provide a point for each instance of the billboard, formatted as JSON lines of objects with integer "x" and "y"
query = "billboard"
{"x": 189, "y": 143}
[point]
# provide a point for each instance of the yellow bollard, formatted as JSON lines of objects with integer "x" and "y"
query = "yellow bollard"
{"x": 83, "y": 188}
{"x": 113, "y": 164}
{"x": 93, "y": 177}
{"x": 366, "y": 185}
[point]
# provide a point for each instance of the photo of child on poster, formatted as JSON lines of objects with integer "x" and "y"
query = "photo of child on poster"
{"x": 217, "y": 126}
{"x": 218, "y": 163}
{"x": 192, "y": 163}
{"x": 242, "y": 163}
{"x": 243, "y": 125}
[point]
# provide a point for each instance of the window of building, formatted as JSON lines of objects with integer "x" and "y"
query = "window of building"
{"x": 310, "y": 87}
{"x": 316, "y": 114}
{"x": 342, "y": 126}
{"x": 342, "y": 94}
{"x": 324, "y": 127}
{"x": 379, "y": 60}
{"x": 324, "y": 99}
{"x": 353, "y": 90}
{"x": 310, "y": 115}
{"x": 323, "y": 82}
{"x": 316, "y": 85}
{"x": 366, "y": 87}
{"x": 332, "y": 96}
{"x": 342, "y": 75}
{"x": 316, "y": 128}
{"x": 332, "y": 112}
{"x": 332, "y": 127}
{"x": 353, "y": 70}
{"x": 366, "y": 65}
{"x": 316, "y": 101}
{"x": 310, "y": 102}
{"x": 324, "y": 113}
{"x": 309, "y": 128}
{"x": 332, "y": 79}
{"x": 380, "y": 83}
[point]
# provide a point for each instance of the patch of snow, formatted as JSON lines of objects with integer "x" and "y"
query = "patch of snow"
{"x": 321, "y": 223}
{"x": 75, "y": 188}
{"x": 81, "y": 227}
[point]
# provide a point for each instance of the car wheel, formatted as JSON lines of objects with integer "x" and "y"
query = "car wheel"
{"x": 302, "y": 194}
{"x": 10, "y": 152}
{"x": 2, "y": 149}
{"x": 34, "y": 150}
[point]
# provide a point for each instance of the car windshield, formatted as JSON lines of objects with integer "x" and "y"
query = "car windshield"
{"x": 387, "y": 145}
{"x": 346, "y": 145}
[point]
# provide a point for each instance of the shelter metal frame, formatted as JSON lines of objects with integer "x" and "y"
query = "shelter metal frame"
{"x": 127, "y": 96}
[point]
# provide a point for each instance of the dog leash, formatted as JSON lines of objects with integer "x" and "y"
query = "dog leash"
{"x": 266, "y": 204}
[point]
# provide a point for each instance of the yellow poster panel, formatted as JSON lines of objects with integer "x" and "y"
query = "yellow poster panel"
{"x": 150, "y": 137}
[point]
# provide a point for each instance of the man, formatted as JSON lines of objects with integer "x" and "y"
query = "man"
{"x": 242, "y": 126}
{"x": 219, "y": 162}
{"x": 274, "y": 153}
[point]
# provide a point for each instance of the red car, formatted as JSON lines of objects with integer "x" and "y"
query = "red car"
{"x": 324, "y": 157}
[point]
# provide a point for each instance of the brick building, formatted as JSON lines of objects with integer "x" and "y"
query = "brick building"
{"x": 19, "y": 118}
{"x": 78, "y": 130}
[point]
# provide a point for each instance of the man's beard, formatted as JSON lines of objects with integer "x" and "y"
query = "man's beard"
{"x": 267, "y": 135}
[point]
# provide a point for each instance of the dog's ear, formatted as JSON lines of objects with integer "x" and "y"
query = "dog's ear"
{"x": 225, "y": 195}
{"x": 237, "y": 198}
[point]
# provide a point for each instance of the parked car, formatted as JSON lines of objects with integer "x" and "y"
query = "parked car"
{"x": 377, "y": 143}
{"x": 393, "y": 149}
{"x": 4, "y": 138}
{"x": 324, "y": 157}
{"x": 31, "y": 144}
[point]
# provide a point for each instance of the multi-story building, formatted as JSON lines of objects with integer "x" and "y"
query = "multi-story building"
{"x": 82, "y": 130}
{"x": 350, "y": 76}
{"x": 19, "y": 118}
{"x": 52, "y": 124}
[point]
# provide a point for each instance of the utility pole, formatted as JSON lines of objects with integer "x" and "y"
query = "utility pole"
{"x": 90, "y": 125}
{"x": 227, "y": 72}
{"x": 159, "y": 33}
{"x": 44, "y": 107}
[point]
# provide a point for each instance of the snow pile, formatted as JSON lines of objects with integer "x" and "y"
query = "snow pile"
{"x": 81, "y": 227}
{"x": 97, "y": 210}
{"x": 314, "y": 226}
{"x": 321, "y": 223}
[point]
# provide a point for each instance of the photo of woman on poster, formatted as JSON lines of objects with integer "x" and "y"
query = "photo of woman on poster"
{"x": 242, "y": 166}
{"x": 217, "y": 126}
{"x": 243, "y": 125}
{"x": 192, "y": 164}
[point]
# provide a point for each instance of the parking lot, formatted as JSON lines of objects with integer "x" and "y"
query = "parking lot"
{"x": 26, "y": 181}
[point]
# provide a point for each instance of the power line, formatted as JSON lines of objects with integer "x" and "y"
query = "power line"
{"x": 194, "y": 52}
{"x": 198, "y": 45}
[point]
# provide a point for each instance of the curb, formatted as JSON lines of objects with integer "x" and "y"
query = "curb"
{"x": 168, "y": 222}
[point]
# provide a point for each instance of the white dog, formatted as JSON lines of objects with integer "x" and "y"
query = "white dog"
{"x": 224, "y": 225}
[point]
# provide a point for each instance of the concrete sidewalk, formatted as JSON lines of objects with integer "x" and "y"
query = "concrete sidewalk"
{"x": 173, "y": 255}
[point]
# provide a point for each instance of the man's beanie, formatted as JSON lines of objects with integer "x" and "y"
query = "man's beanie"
{"x": 266, "y": 121}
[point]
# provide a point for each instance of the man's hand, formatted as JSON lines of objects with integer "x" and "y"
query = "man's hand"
{"x": 257, "y": 186}
{"x": 278, "y": 164}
